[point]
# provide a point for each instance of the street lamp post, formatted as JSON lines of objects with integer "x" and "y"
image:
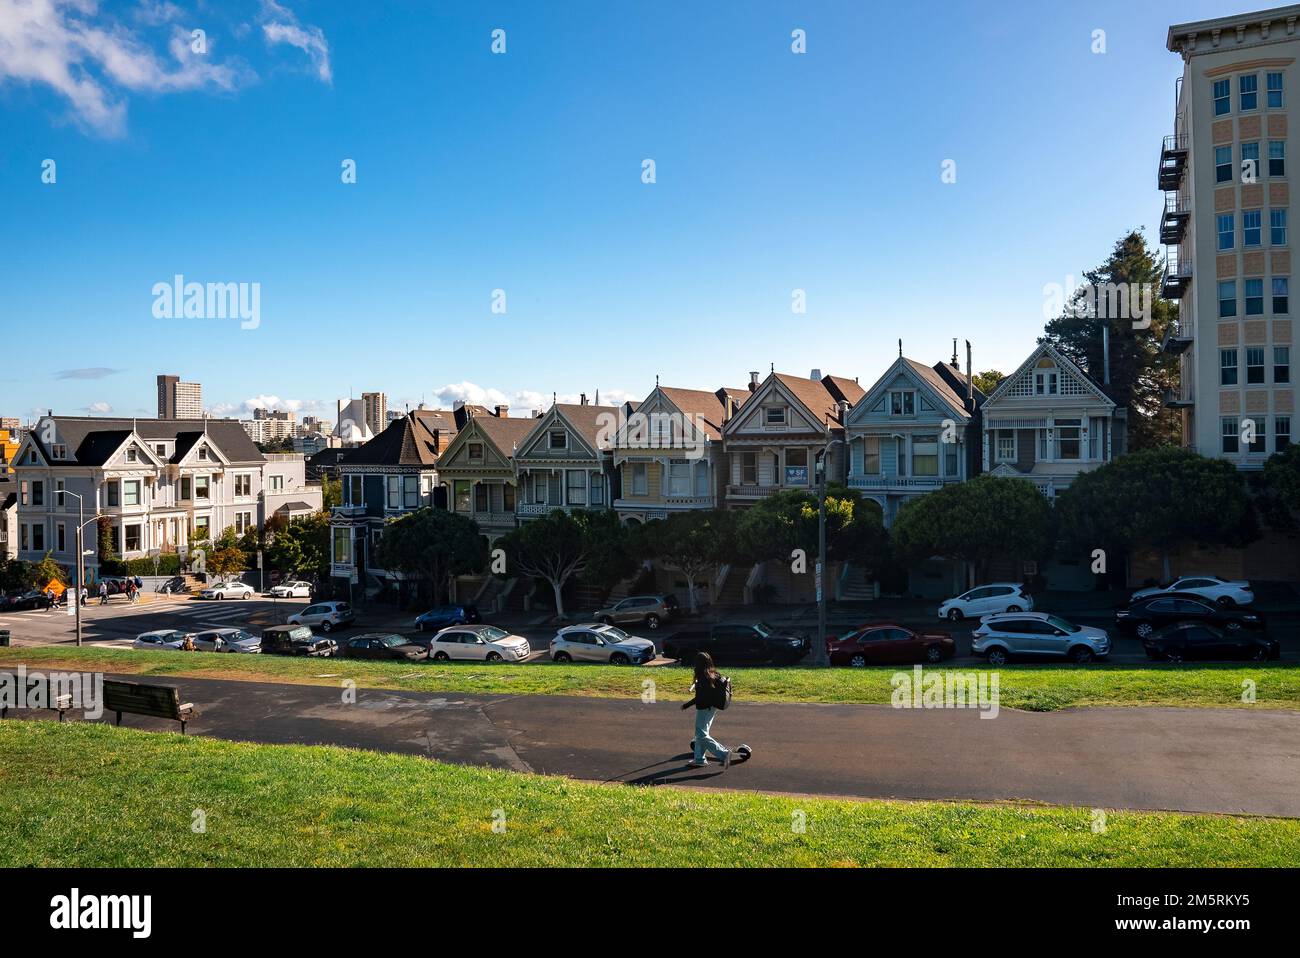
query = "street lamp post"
{"x": 82, "y": 522}
{"x": 820, "y": 656}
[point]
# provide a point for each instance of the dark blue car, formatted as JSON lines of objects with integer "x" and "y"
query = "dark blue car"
{"x": 445, "y": 615}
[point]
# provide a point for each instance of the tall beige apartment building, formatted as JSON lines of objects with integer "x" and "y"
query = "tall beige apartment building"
{"x": 376, "y": 411}
{"x": 178, "y": 400}
{"x": 1227, "y": 231}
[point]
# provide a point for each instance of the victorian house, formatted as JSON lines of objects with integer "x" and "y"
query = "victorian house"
{"x": 477, "y": 469}
{"x": 565, "y": 461}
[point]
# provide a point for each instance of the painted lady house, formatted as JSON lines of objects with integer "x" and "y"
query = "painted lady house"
{"x": 565, "y": 461}
{"x": 478, "y": 469}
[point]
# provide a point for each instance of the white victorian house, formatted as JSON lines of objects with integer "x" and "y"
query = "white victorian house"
{"x": 565, "y": 462}
{"x": 1049, "y": 421}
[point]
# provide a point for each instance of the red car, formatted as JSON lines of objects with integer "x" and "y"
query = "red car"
{"x": 881, "y": 643}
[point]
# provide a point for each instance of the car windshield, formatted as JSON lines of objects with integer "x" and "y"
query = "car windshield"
{"x": 612, "y": 634}
{"x": 392, "y": 641}
{"x": 239, "y": 635}
{"x": 493, "y": 634}
{"x": 1063, "y": 625}
{"x": 763, "y": 629}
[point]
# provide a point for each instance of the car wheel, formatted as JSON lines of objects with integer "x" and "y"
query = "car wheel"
{"x": 618, "y": 658}
{"x": 1234, "y": 626}
{"x": 1226, "y": 601}
{"x": 996, "y": 656}
{"x": 494, "y": 656}
{"x": 441, "y": 657}
{"x": 1260, "y": 654}
{"x": 954, "y": 615}
{"x": 327, "y": 626}
{"x": 1014, "y": 608}
{"x": 652, "y": 622}
{"x": 1174, "y": 657}
{"x": 220, "y": 596}
{"x": 858, "y": 661}
{"x": 1144, "y": 629}
{"x": 563, "y": 657}
{"x": 1081, "y": 654}
{"x": 933, "y": 653}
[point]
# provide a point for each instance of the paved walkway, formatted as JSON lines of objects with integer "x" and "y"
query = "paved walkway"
{"x": 1198, "y": 760}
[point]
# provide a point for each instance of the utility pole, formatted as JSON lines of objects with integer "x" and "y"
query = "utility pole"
{"x": 820, "y": 658}
{"x": 81, "y": 525}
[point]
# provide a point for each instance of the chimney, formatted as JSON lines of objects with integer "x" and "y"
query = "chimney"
{"x": 954, "y": 355}
{"x": 843, "y": 406}
{"x": 538, "y": 413}
{"x": 970, "y": 381}
{"x": 753, "y": 380}
{"x": 730, "y": 406}
{"x": 815, "y": 375}
{"x": 582, "y": 400}
{"x": 503, "y": 412}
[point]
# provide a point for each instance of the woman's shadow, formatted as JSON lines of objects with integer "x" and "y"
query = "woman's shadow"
{"x": 676, "y": 774}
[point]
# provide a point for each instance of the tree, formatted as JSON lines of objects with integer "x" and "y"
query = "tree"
{"x": 986, "y": 518}
{"x": 1140, "y": 373}
{"x": 431, "y": 545}
{"x": 988, "y": 380}
{"x": 224, "y": 556}
{"x": 694, "y": 542}
{"x": 555, "y": 548}
{"x": 613, "y": 552}
{"x": 1280, "y": 488}
{"x": 331, "y": 493}
{"x": 300, "y": 548}
{"x": 1159, "y": 498}
{"x": 16, "y": 575}
{"x": 48, "y": 569}
{"x": 787, "y": 521}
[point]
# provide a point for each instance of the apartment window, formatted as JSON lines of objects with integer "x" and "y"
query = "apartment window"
{"x": 244, "y": 485}
{"x": 559, "y": 439}
{"x": 1260, "y": 441}
{"x": 775, "y": 415}
{"x": 1254, "y": 365}
{"x": 1069, "y": 434}
{"x": 796, "y": 467}
{"x": 61, "y": 536}
{"x": 1274, "y": 83}
{"x": 1228, "y": 298}
{"x": 38, "y": 537}
{"x": 1254, "y": 297}
{"x": 187, "y": 486}
{"x": 902, "y": 403}
{"x": 1281, "y": 364}
{"x": 1277, "y": 227}
{"x": 1227, "y": 367}
{"x": 575, "y": 488}
{"x": 1230, "y": 434}
{"x": 597, "y": 487}
{"x": 508, "y": 497}
{"x": 1222, "y": 97}
{"x": 131, "y": 538}
{"x": 640, "y": 478}
{"x": 131, "y": 492}
{"x": 1227, "y": 231}
{"x": 1006, "y": 445}
{"x": 201, "y": 484}
{"x": 1046, "y": 382}
{"x": 1223, "y": 164}
{"x": 679, "y": 477}
{"x": 111, "y": 494}
{"x": 1250, "y": 162}
{"x": 1281, "y": 295}
{"x": 871, "y": 455}
{"x": 481, "y": 497}
{"x": 460, "y": 495}
{"x": 476, "y": 452}
{"x": 749, "y": 468}
{"x": 1248, "y": 90}
{"x": 925, "y": 455}
{"x": 1251, "y": 228}
{"x": 38, "y": 492}
{"x": 1281, "y": 432}
{"x": 1277, "y": 157}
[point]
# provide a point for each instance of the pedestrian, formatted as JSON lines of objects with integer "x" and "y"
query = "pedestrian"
{"x": 710, "y": 691}
{"x": 130, "y": 591}
{"x": 139, "y": 583}
{"x": 84, "y": 595}
{"x": 103, "y": 593}
{"x": 51, "y": 600}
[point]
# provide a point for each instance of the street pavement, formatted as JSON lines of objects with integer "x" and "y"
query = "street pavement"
{"x": 1197, "y": 760}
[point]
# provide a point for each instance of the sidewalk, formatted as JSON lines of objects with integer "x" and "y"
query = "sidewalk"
{"x": 1234, "y": 761}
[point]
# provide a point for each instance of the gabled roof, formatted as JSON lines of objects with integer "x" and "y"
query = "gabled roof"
{"x": 845, "y": 389}
{"x": 814, "y": 395}
{"x": 941, "y": 386}
{"x": 706, "y": 410}
{"x": 417, "y": 439}
{"x": 92, "y": 439}
{"x": 1047, "y": 349}
{"x": 506, "y": 433}
{"x": 587, "y": 422}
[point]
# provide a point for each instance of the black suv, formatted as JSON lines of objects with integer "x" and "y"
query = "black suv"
{"x": 296, "y": 640}
{"x": 749, "y": 643}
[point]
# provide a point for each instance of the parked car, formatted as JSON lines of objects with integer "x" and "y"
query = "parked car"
{"x": 648, "y": 610}
{"x": 445, "y": 615}
{"x": 160, "y": 639}
{"x": 227, "y": 590}
{"x": 1198, "y": 642}
{"x": 296, "y": 640}
{"x": 984, "y": 599}
{"x": 383, "y": 645}
{"x": 325, "y": 615}
{"x": 227, "y": 640}
{"x": 1037, "y": 635}
{"x": 292, "y": 590}
{"x": 23, "y": 601}
{"x": 594, "y": 642}
{"x": 737, "y": 644}
{"x": 478, "y": 643}
{"x": 880, "y": 642}
{"x": 116, "y": 585}
{"x": 1223, "y": 591}
{"x": 1154, "y": 612}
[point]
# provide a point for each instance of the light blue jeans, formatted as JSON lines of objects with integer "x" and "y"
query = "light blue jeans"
{"x": 703, "y": 740}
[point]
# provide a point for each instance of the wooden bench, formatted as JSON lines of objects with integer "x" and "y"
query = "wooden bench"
{"x": 57, "y": 703}
{"x": 158, "y": 701}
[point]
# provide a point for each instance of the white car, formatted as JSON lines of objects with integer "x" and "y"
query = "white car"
{"x": 478, "y": 643}
{"x": 325, "y": 615}
{"x": 227, "y": 590}
{"x": 986, "y": 599}
{"x": 1226, "y": 592}
{"x": 600, "y": 643}
{"x": 227, "y": 640}
{"x": 160, "y": 639}
{"x": 292, "y": 590}
{"x": 1037, "y": 635}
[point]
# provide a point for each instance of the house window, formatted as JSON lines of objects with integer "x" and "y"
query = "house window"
{"x": 1277, "y": 227}
{"x": 476, "y": 452}
{"x": 1230, "y": 434}
{"x": 796, "y": 467}
{"x": 277, "y": 483}
{"x": 1228, "y": 298}
{"x": 132, "y": 454}
{"x": 203, "y": 453}
{"x": 243, "y": 521}
{"x": 1281, "y": 364}
{"x": 111, "y": 494}
{"x": 410, "y": 492}
{"x": 61, "y": 536}
{"x": 394, "y": 486}
{"x": 1281, "y": 432}
{"x": 22, "y": 537}
{"x": 1254, "y": 297}
{"x": 1248, "y": 89}
{"x": 1259, "y": 443}
{"x": 950, "y": 459}
{"x": 1222, "y": 97}
{"x": 640, "y": 478}
{"x": 1250, "y": 162}
{"x": 481, "y": 497}
{"x": 597, "y": 489}
{"x": 38, "y": 537}
{"x": 187, "y": 485}
{"x": 1046, "y": 382}
{"x": 701, "y": 478}
{"x": 925, "y": 455}
{"x": 244, "y": 485}
{"x": 1251, "y": 228}
{"x": 871, "y": 455}
{"x": 540, "y": 483}
{"x": 59, "y": 451}
{"x": 160, "y": 449}
{"x": 508, "y": 497}
{"x": 1006, "y": 445}
{"x": 131, "y": 492}
{"x": 460, "y": 492}
{"x": 1227, "y": 367}
{"x": 59, "y": 498}
{"x": 1096, "y": 433}
{"x": 342, "y": 546}
{"x": 131, "y": 538}
{"x": 775, "y": 415}
{"x": 1227, "y": 231}
{"x": 1281, "y": 295}
{"x": 559, "y": 439}
{"x": 575, "y": 491}
{"x": 38, "y": 493}
{"x": 1277, "y": 157}
{"x": 201, "y": 487}
{"x": 749, "y": 468}
{"x": 1274, "y": 84}
{"x": 679, "y": 477}
{"x": 902, "y": 403}
{"x": 1223, "y": 164}
{"x": 1069, "y": 436}
{"x": 1254, "y": 365}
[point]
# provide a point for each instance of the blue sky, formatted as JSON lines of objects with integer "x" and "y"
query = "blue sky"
{"x": 522, "y": 172}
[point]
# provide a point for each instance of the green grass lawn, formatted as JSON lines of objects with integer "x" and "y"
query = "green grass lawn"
{"x": 90, "y": 795}
{"x": 1038, "y": 688}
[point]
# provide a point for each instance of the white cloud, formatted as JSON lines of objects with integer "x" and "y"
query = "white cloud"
{"x": 280, "y": 25}
{"x": 99, "y": 409}
{"x": 522, "y": 402}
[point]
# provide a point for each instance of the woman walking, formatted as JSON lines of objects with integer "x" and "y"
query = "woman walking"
{"x": 709, "y": 690}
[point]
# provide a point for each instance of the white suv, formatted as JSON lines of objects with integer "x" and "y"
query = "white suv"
{"x": 986, "y": 599}
{"x": 1037, "y": 635}
{"x": 327, "y": 615}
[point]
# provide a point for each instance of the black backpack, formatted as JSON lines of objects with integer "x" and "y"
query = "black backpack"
{"x": 722, "y": 693}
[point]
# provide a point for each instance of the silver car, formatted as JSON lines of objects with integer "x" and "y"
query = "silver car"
{"x": 227, "y": 640}
{"x": 648, "y": 610}
{"x": 1037, "y": 635}
{"x": 594, "y": 642}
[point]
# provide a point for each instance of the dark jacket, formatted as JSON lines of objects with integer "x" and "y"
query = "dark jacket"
{"x": 706, "y": 696}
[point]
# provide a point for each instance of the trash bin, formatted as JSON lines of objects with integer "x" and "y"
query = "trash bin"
{"x": 4, "y": 637}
